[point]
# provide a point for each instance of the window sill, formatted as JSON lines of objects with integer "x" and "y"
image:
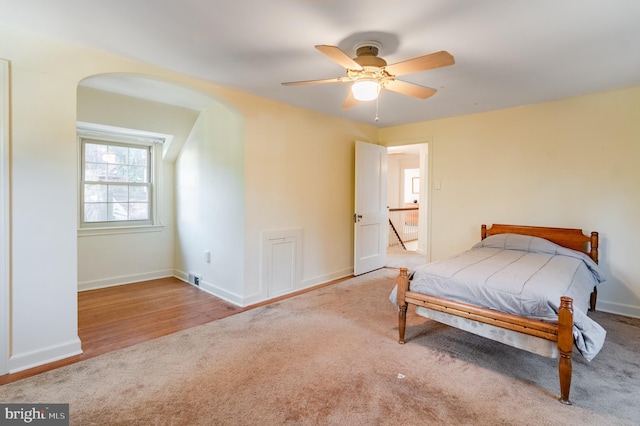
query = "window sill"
{"x": 90, "y": 232}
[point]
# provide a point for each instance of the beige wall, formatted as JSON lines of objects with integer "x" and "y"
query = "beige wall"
{"x": 570, "y": 163}
{"x": 299, "y": 174}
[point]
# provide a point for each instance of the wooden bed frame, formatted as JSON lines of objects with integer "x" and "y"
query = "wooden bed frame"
{"x": 561, "y": 333}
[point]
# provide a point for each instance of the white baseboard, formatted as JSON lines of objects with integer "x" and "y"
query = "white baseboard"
{"x": 304, "y": 285}
{"x": 124, "y": 279}
{"x": 212, "y": 289}
{"x": 181, "y": 275}
{"x": 222, "y": 293}
{"x": 44, "y": 356}
{"x": 258, "y": 297}
{"x": 322, "y": 279}
{"x": 618, "y": 309}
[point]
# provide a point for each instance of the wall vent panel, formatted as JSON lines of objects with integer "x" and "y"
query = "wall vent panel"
{"x": 281, "y": 268}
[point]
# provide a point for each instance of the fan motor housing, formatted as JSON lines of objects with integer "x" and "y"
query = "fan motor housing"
{"x": 367, "y": 56}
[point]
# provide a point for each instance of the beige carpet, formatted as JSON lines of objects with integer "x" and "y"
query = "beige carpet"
{"x": 398, "y": 257}
{"x": 330, "y": 357}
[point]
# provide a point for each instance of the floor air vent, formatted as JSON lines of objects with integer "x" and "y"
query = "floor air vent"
{"x": 194, "y": 279}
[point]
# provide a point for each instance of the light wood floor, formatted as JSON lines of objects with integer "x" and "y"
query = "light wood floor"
{"x": 118, "y": 317}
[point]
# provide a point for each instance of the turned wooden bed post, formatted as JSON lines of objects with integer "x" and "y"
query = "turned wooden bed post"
{"x": 403, "y": 286}
{"x": 593, "y": 246}
{"x": 565, "y": 347}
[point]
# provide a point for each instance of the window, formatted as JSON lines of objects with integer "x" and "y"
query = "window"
{"x": 118, "y": 178}
{"x": 116, "y": 182}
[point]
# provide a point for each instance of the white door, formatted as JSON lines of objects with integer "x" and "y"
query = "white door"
{"x": 371, "y": 217}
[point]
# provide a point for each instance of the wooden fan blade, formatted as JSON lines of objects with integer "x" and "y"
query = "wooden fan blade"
{"x": 339, "y": 57}
{"x": 350, "y": 101}
{"x": 302, "y": 83}
{"x": 421, "y": 63}
{"x": 410, "y": 89}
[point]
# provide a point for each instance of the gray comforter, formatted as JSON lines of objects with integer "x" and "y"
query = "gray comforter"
{"x": 521, "y": 275}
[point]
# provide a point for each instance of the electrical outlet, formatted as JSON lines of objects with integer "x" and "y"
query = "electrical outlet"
{"x": 196, "y": 280}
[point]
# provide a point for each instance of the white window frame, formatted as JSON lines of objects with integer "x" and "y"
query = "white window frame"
{"x": 88, "y": 132}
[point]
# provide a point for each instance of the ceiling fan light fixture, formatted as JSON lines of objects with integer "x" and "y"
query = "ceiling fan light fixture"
{"x": 366, "y": 89}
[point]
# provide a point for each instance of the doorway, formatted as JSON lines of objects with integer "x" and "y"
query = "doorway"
{"x": 408, "y": 203}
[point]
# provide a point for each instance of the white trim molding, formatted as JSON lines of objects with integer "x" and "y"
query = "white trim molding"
{"x": 45, "y": 356}
{"x": 243, "y": 302}
{"x": 123, "y": 280}
{"x": 5, "y": 219}
{"x": 119, "y": 135}
{"x": 618, "y": 308}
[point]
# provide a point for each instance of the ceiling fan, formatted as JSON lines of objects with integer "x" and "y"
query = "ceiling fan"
{"x": 370, "y": 73}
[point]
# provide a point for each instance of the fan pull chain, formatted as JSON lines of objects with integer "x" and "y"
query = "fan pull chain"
{"x": 377, "y": 101}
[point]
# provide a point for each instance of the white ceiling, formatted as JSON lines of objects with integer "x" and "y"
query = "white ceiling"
{"x": 507, "y": 53}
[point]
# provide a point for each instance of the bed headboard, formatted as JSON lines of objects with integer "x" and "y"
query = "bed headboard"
{"x": 566, "y": 237}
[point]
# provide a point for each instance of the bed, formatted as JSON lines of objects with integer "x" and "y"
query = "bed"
{"x": 526, "y": 286}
